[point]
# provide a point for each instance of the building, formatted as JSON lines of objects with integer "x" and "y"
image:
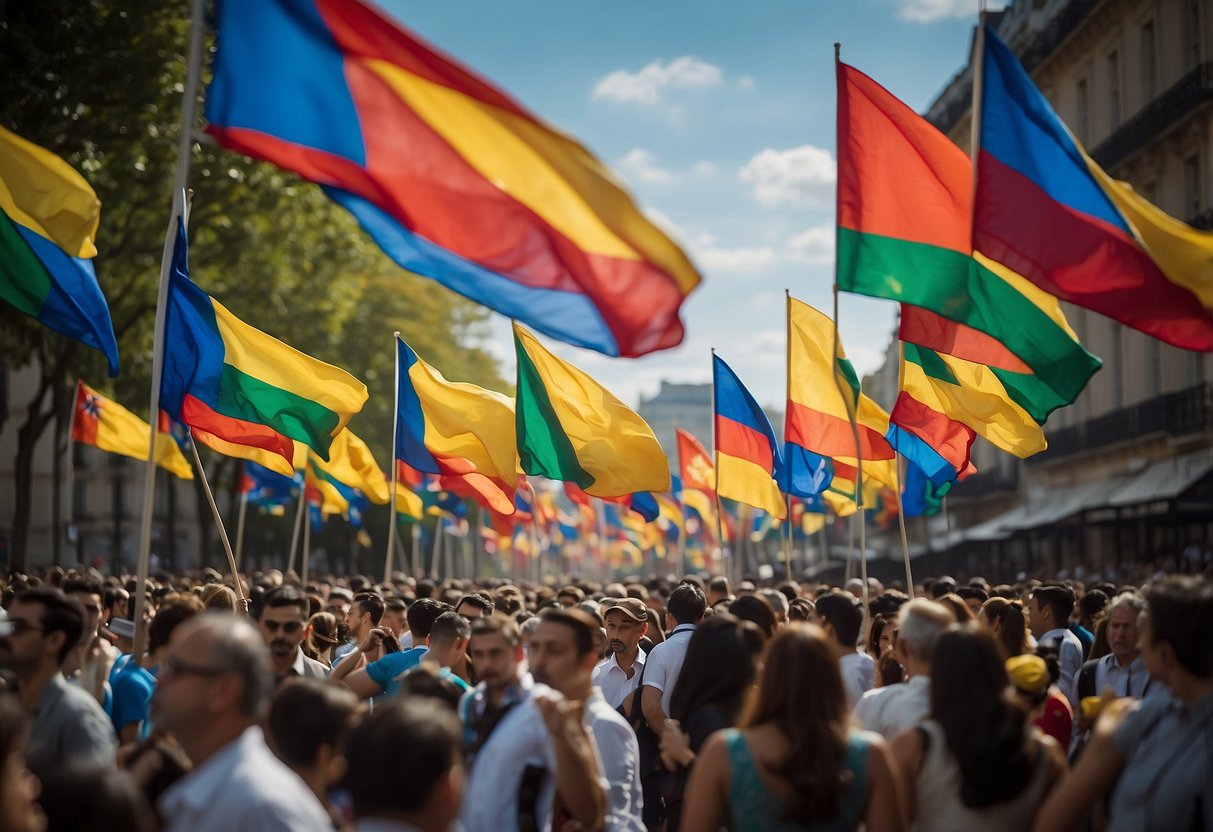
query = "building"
{"x": 1128, "y": 476}
{"x": 686, "y": 406}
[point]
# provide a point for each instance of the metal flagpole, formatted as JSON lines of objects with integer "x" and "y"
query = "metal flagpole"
{"x": 227, "y": 545}
{"x": 180, "y": 180}
{"x": 391, "y": 529}
{"x": 721, "y": 562}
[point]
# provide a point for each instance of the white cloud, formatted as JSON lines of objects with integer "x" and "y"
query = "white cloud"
{"x": 675, "y": 231}
{"x": 738, "y": 260}
{"x": 703, "y": 169}
{"x": 813, "y": 245}
{"x": 746, "y": 83}
{"x": 646, "y": 85}
{"x": 640, "y": 165}
{"x": 929, "y": 11}
{"x": 797, "y": 176}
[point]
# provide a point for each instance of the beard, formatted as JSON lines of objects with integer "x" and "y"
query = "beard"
{"x": 281, "y": 647}
{"x": 617, "y": 646}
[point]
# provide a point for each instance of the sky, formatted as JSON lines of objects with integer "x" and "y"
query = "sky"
{"x": 720, "y": 118}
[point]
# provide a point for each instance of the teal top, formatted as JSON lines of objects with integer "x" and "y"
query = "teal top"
{"x": 753, "y": 808}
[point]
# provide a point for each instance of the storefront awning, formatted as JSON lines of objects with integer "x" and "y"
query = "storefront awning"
{"x": 1164, "y": 479}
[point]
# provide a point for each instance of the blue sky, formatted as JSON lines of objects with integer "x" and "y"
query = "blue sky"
{"x": 720, "y": 117}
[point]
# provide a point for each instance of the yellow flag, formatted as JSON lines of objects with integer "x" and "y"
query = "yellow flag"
{"x": 107, "y": 425}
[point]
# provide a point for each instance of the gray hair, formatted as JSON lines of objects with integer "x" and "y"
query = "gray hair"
{"x": 919, "y": 625}
{"x": 1131, "y": 600}
{"x": 528, "y": 627}
{"x": 777, "y": 600}
{"x": 238, "y": 648}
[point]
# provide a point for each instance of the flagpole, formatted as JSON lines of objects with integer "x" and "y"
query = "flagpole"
{"x": 71, "y": 464}
{"x": 787, "y": 552}
{"x": 391, "y": 529}
{"x": 721, "y": 563}
{"x": 901, "y": 513}
{"x": 290, "y": 561}
{"x": 437, "y": 546}
{"x": 825, "y": 546}
{"x": 240, "y": 525}
{"x": 307, "y": 545}
{"x": 415, "y": 561}
{"x": 787, "y": 389}
{"x": 227, "y": 545}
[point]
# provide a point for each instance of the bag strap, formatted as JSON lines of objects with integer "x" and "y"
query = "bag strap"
{"x": 635, "y": 713}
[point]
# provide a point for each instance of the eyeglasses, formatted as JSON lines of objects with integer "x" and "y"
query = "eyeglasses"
{"x": 289, "y": 628}
{"x": 172, "y": 666}
{"x": 17, "y": 626}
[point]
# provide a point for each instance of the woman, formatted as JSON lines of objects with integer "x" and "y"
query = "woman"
{"x": 1008, "y": 624}
{"x": 795, "y": 763}
{"x": 880, "y": 635}
{"x": 757, "y": 609}
{"x": 976, "y": 762}
{"x": 321, "y": 638}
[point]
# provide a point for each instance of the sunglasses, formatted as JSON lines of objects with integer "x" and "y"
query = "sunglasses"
{"x": 289, "y": 628}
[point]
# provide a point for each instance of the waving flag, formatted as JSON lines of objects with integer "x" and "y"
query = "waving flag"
{"x": 352, "y": 464}
{"x": 109, "y": 426}
{"x": 48, "y": 221}
{"x": 1045, "y": 209}
{"x": 225, "y": 378}
{"x": 695, "y": 464}
{"x": 267, "y": 488}
{"x": 747, "y": 457}
{"x": 451, "y": 177}
{"x": 571, "y": 428}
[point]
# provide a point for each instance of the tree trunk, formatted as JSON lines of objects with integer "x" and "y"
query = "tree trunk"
{"x": 31, "y": 429}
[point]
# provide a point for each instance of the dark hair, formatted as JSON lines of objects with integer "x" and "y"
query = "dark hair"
{"x": 942, "y": 586}
{"x": 845, "y": 613}
{"x": 82, "y": 584}
{"x": 985, "y": 730}
{"x": 60, "y": 614}
{"x": 1092, "y": 603}
{"x": 1060, "y": 599}
{"x": 1050, "y": 653}
{"x": 579, "y": 622}
{"x": 757, "y": 609}
{"x": 875, "y": 631}
{"x": 450, "y": 627}
{"x": 306, "y": 714}
{"x": 687, "y": 603}
{"x": 801, "y": 694}
{"x": 369, "y": 603}
{"x": 321, "y": 634}
{"x": 478, "y": 599}
{"x": 395, "y": 604}
{"x": 507, "y": 628}
{"x": 1012, "y": 624}
{"x": 425, "y": 680}
{"x": 286, "y": 596}
{"x": 970, "y": 592}
{"x": 719, "y": 668}
{"x": 719, "y": 584}
{"x": 403, "y": 741}
{"x": 800, "y": 609}
{"x": 169, "y": 617}
{"x": 889, "y": 671}
{"x": 1180, "y": 611}
{"x": 422, "y": 615}
{"x": 93, "y": 799}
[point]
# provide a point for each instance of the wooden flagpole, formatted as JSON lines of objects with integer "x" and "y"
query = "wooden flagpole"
{"x": 307, "y": 546}
{"x": 227, "y": 545}
{"x": 391, "y": 529}
{"x": 240, "y": 525}
{"x": 299, "y": 511}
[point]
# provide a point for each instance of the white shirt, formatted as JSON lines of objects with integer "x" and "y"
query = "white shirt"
{"x": 619, "y": 759}
{"x": 890, "y": 710}
{"x": 665, "y": 663}
{"x": 858, "y": 676}
{"x": 614, "y": 683}
{"x": 243, "y": 788}
{"x": 1069, "y": 661}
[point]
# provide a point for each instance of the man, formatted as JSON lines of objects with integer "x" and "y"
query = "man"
{"x": 381, "y": 676}
{"x": 840, "y": 614}
{"x": 475, "y": 605}
{"x": 115, "y": 601}
{"x": 339, "y": 603}
{"x": 446, "y": 647}
{"x": 413, "y": 742}
{"x": 282, "y": 619}
{"x": 90, "y": 665}
{"x": 779, "y": 605}
{"x": 562, "y": 657}
{"x": 394, "y": 610}
{"x": 213, "y": 688}
{"x": 1122, "y": 671}
{"x": 527, "y": 746}
{"x": 684, "y": 610}
{"x": 570, "y": 596}
{"x": 1049, "y": 609}
{"x": 618, "y": 675}
{"x": 67, "y": 724}
{"x": 890, "y": 710}
{"x": 363, "y": 616}
{"x": 719, "y": 590}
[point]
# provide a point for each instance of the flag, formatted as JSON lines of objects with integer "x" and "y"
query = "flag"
{"x": 267, "y": 488}
{"x": 352, "y": 464}
{"x": 904, "y": 219}
{"x": 571, "y": 428}
{"x": 257, "y": 456}
{"x": 456, "y": 430}
{"x": 225, "y": 378}
{"x": 408, "y": 501}
{"x": 694, "y": 464}
{"x": 48, "y": 221}
{"x": 1045, "y": 209}
{"x": 450, "y": 176}
{"x": 747, "y": 456}
{"x": 109, "y": 426}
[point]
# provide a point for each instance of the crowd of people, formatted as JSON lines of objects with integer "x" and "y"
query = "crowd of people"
{"x": 668, "y": 704}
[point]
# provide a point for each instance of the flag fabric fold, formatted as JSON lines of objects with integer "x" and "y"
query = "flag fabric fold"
{"x": 695, "y": 464}
{"x": 109, "y": 426}
{"x": 48, "y": 223}
{"x": 451, "y": 177}
{"x": 352, "y": 464}
{"x": 748, "y": 462}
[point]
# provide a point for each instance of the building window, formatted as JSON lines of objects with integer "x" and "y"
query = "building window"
{"x": 1080, "y": 115}
{"x": 1114, "y": 89}
{"x": 1192, "y": 24}
{"x": 1192, "y": 201}
{"x": 1149, "y": 63}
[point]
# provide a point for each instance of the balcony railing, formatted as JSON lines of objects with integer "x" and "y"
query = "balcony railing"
{"x": 1181, "y": 99}
{"x": 1175, "y": 414}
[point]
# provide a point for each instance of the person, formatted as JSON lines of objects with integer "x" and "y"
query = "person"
{"x": 794, "y": 763}
{"x": 1091, "y": 608}
{"x": 1008, "y": 623}
{"x": 42, "y": 628}
{"x": 214, "y": 686}
{"x": 757, "y": 609}
{"x": 134, "y": 684}
{"x": 381, "y": 677}
{"x": 1049, "y": 609}
{"x": 840, "y": 615}
{"x": 719, "y": 590}
{"x": 684, "y": 611}
{"x": 19, "y": 788}
{"x": 880, "y": 635}
{"x": 218, "y": 597}
{"x": 283, "y": 615}
{"x": 475, "y": 605}
{"x": 79, "y": 798}
{"x": 562, "y": 657}
{"x": 364, "y": 615}
{"x": 446, "y": 647}
{"x": 570, "y": 596}
{"x": 394, "y": 620}
{"x": 1123, "y": 670}
{"x": 618, "y": 675}
{"x": 975, "y": 763}
{"x": 321, "y": 638}
{"x": 890, "y": 710}
{"x": 526, "y": 745}
{"x": 307, "y": 724}
{"x": 1152, "y": 759}
{"x": 405, "y": 741}
{"x": 96, "y": 655}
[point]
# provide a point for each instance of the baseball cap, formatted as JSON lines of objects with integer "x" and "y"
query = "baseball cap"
{"x": 633, "y": 608}
{"x": 1028, "y": 673}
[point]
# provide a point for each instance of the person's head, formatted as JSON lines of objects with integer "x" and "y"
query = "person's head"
{"x": 1030, "y": 677}
{"x": 88, "y": 592}
{"x": 321, "y": 634}
{"x": 973, "y": 596}
{"x": 365, "y": 613}
{"x": 307, "y": 724}
{"x": 757, "y": 609}
{"x": 394, "y": 616}
{"x": 779, "y": 604}
{"x": 115, "y": 601}
{"x": 801, "y": 609}
{"x": 1008, "y": 623}
{"x": 942, "y": 586}
{"x": 19, "y": 810}
{"x": 1091, "y": 606}
{"x": 961, "y": 612}
{"x": 422, "y": 615}
{"x": 1175, "y": 643}
{"x": 984, "y": 730}
{"x": 475, "y": 605}
{"x": 719, "y": 669}
{"x": 170, "y": 616}
{"x": 413, "y": 742}
{"x": 919, "y": 625}
{"x": 685, "y": 605}
{"x": 1049, "y": 608}
{"x": 42, "y": 628}
{"x": 562, "y": 650}
{"x": 218, "y": 597}
{"x": 94, "y": 799}
{"x": 496, "y": 650}
{"x": 840, "y": 615}
{"x": 448, "y": 641}
{"x": 428, "y": 681}
{"x": 626, "y": 622}
{"x": 1121, "y": 629}
{"x": 880, "y": 635}
{"x": 339, "y": 603}
{"x": 284, "y": 612}
{"x": 570, "y": 596}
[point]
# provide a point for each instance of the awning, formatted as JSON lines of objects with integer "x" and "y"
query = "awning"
{"x": 996, "y": 528}
{"x": 1164, "y": 479}
{"x": 1062, "y": 503}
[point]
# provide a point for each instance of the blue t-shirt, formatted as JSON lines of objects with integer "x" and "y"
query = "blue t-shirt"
{"x": 385, "y": 671}
{"x": 133, "y": 689}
